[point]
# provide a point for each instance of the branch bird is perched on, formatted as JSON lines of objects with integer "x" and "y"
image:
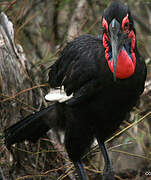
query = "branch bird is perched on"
{"x": 105, "y": 76}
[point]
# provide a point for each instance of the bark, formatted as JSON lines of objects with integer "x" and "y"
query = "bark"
{"x": 77, "y": 20}
{"x": 14, "y": 78}
{"x": 20, "y": 96}
{"x": 17, "y": 97}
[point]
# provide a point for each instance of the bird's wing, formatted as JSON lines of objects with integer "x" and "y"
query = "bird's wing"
{"x": 77, "y": 69}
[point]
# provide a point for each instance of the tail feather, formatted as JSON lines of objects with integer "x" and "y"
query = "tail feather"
{"x": 32, "y": 127}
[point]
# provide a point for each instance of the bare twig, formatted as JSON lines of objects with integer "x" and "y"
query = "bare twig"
{"x": 23, "y": 91}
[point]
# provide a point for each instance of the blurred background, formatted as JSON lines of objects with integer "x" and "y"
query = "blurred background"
{"x": 42, "y": 28}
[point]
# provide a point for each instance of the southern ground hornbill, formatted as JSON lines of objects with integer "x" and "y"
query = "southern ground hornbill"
{"x": 105, "y": 77}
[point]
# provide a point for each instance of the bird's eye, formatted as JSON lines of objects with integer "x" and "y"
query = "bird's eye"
{"x": 126, "y": 26}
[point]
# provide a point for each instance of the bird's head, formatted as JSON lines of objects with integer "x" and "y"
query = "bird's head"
{"x": 119, "y": 40}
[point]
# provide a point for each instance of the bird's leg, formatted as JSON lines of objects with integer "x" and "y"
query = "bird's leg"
{"x": 108, "y": 169}
{"x": 80, "y": 170}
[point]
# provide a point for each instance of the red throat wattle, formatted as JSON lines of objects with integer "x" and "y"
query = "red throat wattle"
{"x": 125, "y": 65}
{"x": 126, "y": 61}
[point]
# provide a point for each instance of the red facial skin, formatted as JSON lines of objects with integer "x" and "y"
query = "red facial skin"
{"x": 125, "y": 63}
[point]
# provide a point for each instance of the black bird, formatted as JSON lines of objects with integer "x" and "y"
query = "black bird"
{"x": 105, "y": 76}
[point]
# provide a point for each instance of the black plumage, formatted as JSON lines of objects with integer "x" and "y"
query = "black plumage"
{"x": 106, "y": 77}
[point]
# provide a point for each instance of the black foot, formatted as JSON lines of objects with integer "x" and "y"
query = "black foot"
{"x": 108, "y": 174}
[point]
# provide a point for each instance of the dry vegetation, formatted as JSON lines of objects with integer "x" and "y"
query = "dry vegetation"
{"x": 43, "y": 27}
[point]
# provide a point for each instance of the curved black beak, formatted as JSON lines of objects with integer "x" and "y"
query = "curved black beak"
{"x": 114, "y": 29}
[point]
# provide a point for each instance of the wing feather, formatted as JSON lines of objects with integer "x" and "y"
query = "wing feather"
{"x": 77, "y": 64}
